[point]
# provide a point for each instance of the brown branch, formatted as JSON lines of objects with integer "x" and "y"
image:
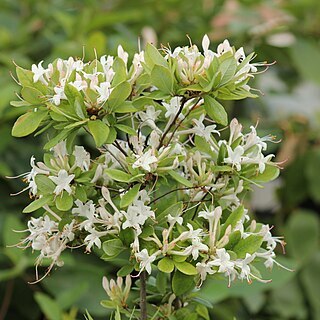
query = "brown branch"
{"x": 143, "y": 295}
{"x": 184, "y": 100}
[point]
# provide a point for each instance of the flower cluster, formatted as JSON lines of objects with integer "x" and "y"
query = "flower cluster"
{"x": 169, "y": 185}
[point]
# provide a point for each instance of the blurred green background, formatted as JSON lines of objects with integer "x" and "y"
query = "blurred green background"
{"x": 287, "y": 32}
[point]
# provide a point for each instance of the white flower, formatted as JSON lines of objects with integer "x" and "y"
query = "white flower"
{"x": 136, "y": 215}
{"x": 104, "y": 90}
{"x": 204, "y": 131}
{"x": 82, "y": 157}
{"x": 172, "y": 108}
{"x": 39, "y": 72}
{"x": 223, "y": 261}
{"x": 235, "y": 130}
{"x": 93, "y": 238}
{"x": 211, "y": 215}
{"x": 60, "y": 150}
{"x": 235, "y": 156}
{"x": 123, "y": 55}
{"x": 224, "y": 47}
{"x": 86, "y": 210}
{"x": 243, "y": 265}
{"x": 195, "y": 248}
{"x": 145, "y": 260}
{"x": 172, "y": 220}
{"x": 203, "y": 269}
{"x": 62, "y": 181}
{"x": 79, "y": 83}
{"x": 149, "y": 117}
{"x": 145, "y": 160}
{"x": 59, "y": 94}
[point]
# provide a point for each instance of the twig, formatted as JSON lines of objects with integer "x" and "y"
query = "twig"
{"x": 143, "y": 295}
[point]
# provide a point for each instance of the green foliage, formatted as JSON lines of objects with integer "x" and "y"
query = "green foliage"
{"x": 62, "y": 28}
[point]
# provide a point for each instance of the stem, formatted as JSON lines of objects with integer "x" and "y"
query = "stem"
{"x": 184, "y": 100}
{"x": 143, "y": 295}
{"x": 178, "y": 125}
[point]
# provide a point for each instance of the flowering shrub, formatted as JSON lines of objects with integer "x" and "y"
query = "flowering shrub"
{"x": 167, "y": 190}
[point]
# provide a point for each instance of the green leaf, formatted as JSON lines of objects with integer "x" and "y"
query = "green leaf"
{"x": 126, "y": 129}
{"x": 48, "y": 306}
{"x": 175, "y": 210}
{"x": 302, "y": 235}
{"x": 126, "y": 107}
{"x": 128, "y": 197}
{"x": 120, "y": 71}
{"x": 166, "y": 265}
{"x": 215, "y": 110}
{"x": 125, "y": 270}
{"x": 234, "y": 238}
{"x": 228, "y": 69}
{"x": 248, "y": 245}
{"x": 44, "y": 184}
{"x": 118, "y": 175}
{"x": 57, "y": 138}
{"x": 202, "y": 311}
{"x": 270, "y": 173}
{"x": 119, "y": 94}
{"x": 64, "y": 201}
{"x": 186, "y": 268}
{"x": 37, "y": 204}
{"x": 153, "y": 57}
{"x": 162, "y": 79}
{"x": 99, "y": 131}
{"x": 161, "y": 282}
{"x": 176, "y": 176}
{"x": 182, "y": 283}
{"x": 25, "y": 77}
{"x": 28, "y": 123}
{"x": 232, "y": 219}
{"x": 32, "y": 95}
{"x": 113, "y": 247}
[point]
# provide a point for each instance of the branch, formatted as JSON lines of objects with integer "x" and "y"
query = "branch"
{"x": 184, "y": 100}
{"x": 143, "y": 295}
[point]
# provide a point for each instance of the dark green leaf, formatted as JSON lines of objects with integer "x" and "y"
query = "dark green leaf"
{"x": 182, "y": 283}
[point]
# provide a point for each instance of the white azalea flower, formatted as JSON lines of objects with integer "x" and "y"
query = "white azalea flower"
{"x": 82, "y": 157}
{"x": 223, "y": 261}
{"x": 104, "y": 90}
{"x": 62, "y": 181}
{"x": 145, "y": 160}
{"x": 39, "y": 72}
{"x": 145, "y": 260}
{"x": 204, "y": 269}
{"x": 235, "y": 157}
